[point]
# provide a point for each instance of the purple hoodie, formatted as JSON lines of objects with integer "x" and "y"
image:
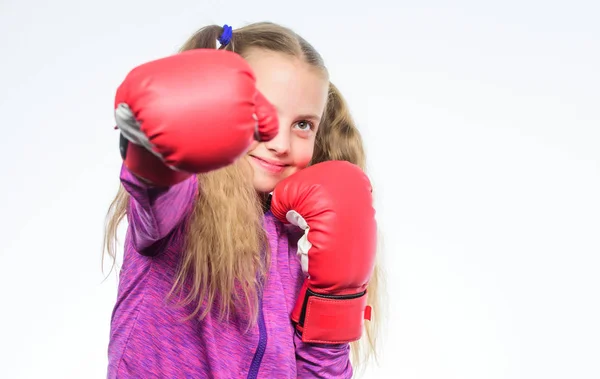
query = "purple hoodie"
{"x": 148, "y": 338}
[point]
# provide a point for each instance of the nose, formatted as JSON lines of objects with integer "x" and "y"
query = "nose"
{"x": 280, "y": 145}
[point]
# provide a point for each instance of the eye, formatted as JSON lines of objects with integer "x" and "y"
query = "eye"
{"x": 304, "y": 125}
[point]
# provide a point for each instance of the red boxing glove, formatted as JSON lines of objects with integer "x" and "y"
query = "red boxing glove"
{"x": 332, "y": 202}
{"x": 192, "y": 112}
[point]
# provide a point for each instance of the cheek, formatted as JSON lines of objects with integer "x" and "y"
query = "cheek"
{"x": 303, "y": 154}
{"x": 253, "y": 146}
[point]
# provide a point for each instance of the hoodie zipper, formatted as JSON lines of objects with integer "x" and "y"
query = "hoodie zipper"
{"x": 262, "y": 328}
{"x": 262, "y": 344}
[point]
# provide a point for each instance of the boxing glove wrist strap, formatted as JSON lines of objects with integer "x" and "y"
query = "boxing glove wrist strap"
{"x": 332, "y": 319}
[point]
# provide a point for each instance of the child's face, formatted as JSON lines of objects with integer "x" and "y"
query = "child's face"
{"x": 299, "y": 93}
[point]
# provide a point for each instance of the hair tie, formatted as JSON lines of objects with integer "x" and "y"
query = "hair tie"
{"x": 225, "y": 37}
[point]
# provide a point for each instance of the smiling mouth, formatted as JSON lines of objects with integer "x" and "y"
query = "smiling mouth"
{"x": 270, "y": 166}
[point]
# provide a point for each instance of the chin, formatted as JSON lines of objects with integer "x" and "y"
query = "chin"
{"x": 264, "y": 183}
{"x": 264, "y": 186}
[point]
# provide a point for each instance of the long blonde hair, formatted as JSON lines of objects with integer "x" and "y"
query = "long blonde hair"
{"x": 222, "y": 258}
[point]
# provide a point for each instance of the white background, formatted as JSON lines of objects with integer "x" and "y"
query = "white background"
{"x": 482, "y": 128}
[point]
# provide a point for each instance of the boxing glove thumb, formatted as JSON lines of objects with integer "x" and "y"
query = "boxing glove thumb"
{"x": 266, "y": 118}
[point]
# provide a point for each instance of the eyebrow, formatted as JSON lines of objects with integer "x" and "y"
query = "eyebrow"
{"x": 305, "y": 116}
{"x": 309, "y": 117}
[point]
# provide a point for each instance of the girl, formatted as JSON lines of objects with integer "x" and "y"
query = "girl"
{"x": 210, "y": 275}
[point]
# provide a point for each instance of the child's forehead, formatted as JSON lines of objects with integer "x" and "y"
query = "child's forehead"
{"x": 290, "y": 85}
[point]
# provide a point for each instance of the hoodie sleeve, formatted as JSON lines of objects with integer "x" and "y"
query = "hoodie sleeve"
{"x": 154, "y": 212}
{"x": 322, "y": 360}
